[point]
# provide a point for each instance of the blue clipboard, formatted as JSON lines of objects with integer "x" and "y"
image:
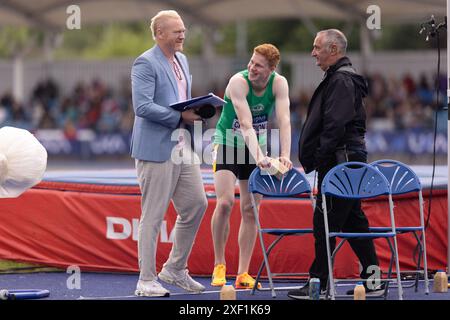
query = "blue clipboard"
{"x": 193, "y": 103}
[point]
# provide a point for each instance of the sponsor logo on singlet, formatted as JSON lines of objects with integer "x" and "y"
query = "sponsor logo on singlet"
{"x": 259, "y": 124}
{"x": 257, "y": 108}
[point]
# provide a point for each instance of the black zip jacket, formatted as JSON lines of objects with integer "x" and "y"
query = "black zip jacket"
{"x": 336, "y": 117}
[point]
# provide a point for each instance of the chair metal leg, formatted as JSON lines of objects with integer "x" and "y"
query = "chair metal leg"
{"x": 425, "y": 266}
{"x": 391, "y": 264}
{"x": 422, "y": 255}
{"x": 338, "y": 247}
{"x": 266, "y": 260}
{"x": 327, "y": 292}
{"x": 333, "y": 256}
{"x": 397, "y": 267}
{"x": 397, "y": 263}
{"x": 261, "y": 268}
{"x": 418, "y": 269}
{"x": 327, "y": 239}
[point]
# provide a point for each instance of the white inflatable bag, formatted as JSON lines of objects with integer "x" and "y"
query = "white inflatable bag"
{"x": 23, "y": 161}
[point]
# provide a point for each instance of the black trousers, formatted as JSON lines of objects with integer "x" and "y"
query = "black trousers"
{"x": 344, "y": 215}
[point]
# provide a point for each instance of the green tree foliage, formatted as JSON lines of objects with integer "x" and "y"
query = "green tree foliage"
{"x": 122, "y": 39}
{"x": 15, "y": 39}
{"x": 109, "y": 41}
{"x": 115, "y": 41}
{"x": 290, "y": 35}
{"x": 226, "y": 43}
{"x": 406, "y": 36}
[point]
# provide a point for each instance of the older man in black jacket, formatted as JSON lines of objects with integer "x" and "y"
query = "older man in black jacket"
{"x": 334, "y": 133}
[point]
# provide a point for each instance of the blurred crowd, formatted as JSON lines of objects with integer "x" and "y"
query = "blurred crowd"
{"x": 92, "y": 106}
{"x": 392, "y": 104}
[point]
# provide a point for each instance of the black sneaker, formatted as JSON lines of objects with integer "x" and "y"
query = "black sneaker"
{"x": 370, "y": 291}
{"x": 303, "y": 292}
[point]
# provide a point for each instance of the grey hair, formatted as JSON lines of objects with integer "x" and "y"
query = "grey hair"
{"x": 159, "y": 17}
{"x": 334, "y": 36}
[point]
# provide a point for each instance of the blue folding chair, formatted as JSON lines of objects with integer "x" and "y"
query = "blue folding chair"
{"x": 357, "y": 180}
{"x": 403, "y": 179}
{"x": 293, "y": 183}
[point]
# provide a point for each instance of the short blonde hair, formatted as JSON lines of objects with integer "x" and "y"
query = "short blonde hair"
{"x": 270, "y": 52}
{"x": 159, "y": 17}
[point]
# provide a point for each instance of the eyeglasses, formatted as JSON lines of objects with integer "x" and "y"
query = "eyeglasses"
{"x": 177, "y": 70}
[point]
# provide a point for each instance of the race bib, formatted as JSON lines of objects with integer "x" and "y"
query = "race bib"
{"x": 259, "y": 125}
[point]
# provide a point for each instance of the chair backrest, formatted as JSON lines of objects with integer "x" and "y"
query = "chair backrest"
{"x": 401, "y": 178}
{"x": 356, "y": 180}
{"x": 292, "y": 183}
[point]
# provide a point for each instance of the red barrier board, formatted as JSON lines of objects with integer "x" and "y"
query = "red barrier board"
{"x": 98, "y": 231}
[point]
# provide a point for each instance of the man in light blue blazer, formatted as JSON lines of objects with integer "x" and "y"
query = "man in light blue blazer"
{"x": 160, "y": 77}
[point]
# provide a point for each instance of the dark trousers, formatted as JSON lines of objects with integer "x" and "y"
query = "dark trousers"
{"x": 344, "y": 215}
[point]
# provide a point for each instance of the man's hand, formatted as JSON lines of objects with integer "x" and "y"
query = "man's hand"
{"x": 264, "y": 163}
{"x": 286, "y": 162}
{"x": 189, "y": 116}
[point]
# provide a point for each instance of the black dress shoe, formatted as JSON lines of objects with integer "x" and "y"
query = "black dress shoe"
{"x": 303, "y": 292}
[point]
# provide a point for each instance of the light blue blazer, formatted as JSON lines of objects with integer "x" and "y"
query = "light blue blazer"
{"x": 154, "y": 88}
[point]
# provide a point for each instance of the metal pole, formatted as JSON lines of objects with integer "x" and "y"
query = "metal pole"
{"x": 18, "y": 78}
{"x": 366, "y": 46}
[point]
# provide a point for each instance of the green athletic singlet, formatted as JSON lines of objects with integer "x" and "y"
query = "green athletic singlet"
{"x": 228, "y": 130}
